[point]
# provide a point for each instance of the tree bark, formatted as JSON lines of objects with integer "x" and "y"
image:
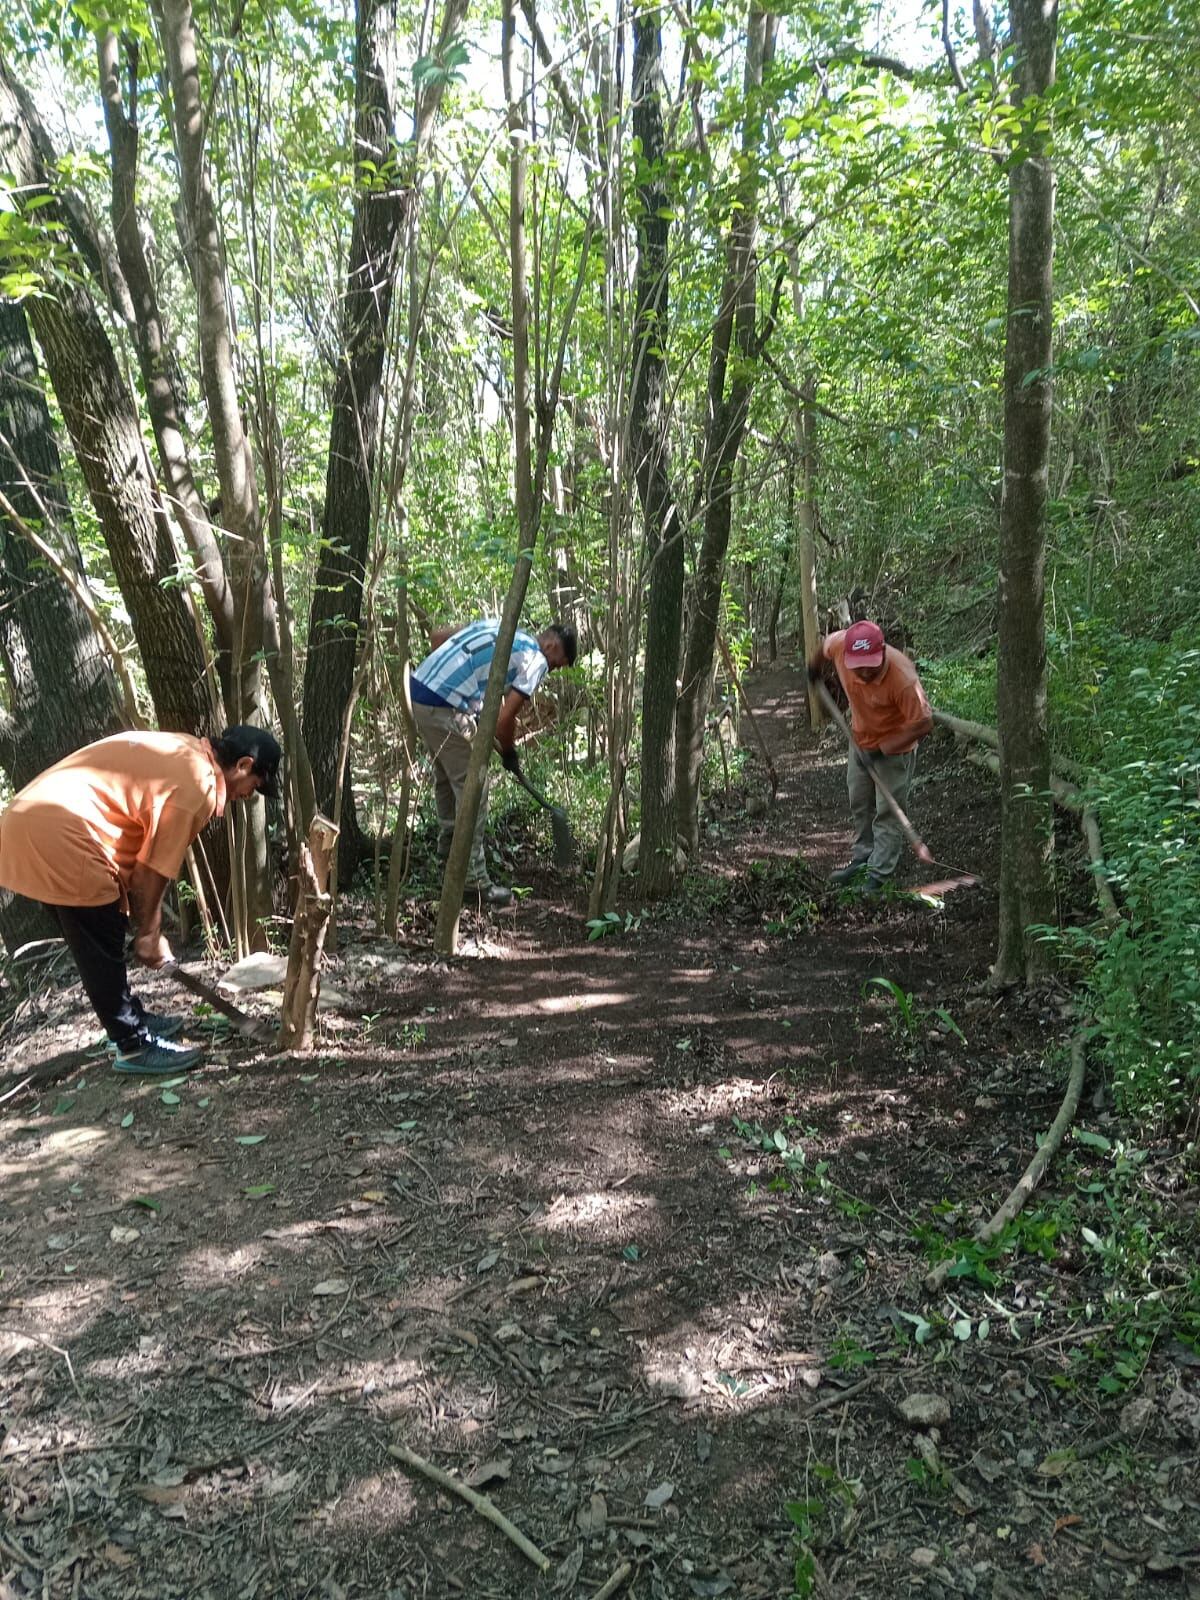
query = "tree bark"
{"x": 62, "y": 691}
{"x": 232, "y": 452}
{"x": 649, "y": 445}
{"x": 1026, "y": 816}
{"x": 734, "y": 336}
{"x": 153, "y": 353}
{"x": 384, "y": 197}
{"x": 806, "y": 525}
{"x": 102, "y": 420}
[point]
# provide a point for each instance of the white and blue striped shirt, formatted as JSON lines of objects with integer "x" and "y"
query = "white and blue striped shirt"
{"x": 456, "y": 673}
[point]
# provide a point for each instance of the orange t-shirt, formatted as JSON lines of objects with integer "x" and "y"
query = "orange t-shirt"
{"x": 74, "y": 834}
{"x": 894, "y": 707}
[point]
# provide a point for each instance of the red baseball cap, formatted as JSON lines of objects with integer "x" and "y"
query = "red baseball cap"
{"x": 864, "y": 645}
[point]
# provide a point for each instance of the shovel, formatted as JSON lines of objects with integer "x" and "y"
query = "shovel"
{"x": 920, "y": 849}
{"x": 564, "y": 840}
{"x": 250, "y": 1027}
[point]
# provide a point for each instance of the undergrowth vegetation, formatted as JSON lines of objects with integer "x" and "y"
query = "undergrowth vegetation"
{"x": 1128, "y": 711}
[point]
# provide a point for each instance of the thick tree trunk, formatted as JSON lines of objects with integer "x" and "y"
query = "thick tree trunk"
{"x": 735, "y": 343}
{"x": 103, "y": 423}
{"x": 62, "y": 691}
{"x": 153, "y": 352}
{"x": 649, "y": 446}
{"x": 1026, "y": 816}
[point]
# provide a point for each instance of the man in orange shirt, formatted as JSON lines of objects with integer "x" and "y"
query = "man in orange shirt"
{"x": 889, "y": 715}
{"x": 98, "y": 837}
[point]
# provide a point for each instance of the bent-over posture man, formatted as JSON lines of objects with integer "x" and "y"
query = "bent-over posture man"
{"x": 889, "y": 715}
{"x": 98, "y": 837}
{"x": 447, "y": 697}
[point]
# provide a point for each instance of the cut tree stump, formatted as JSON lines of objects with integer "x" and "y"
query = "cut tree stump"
{"x": 314, "y": 903}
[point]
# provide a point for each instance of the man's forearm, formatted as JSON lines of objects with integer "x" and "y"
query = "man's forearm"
{"x": 146, "y": 890}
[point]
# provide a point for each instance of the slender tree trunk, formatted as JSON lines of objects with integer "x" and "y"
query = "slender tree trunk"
{"x": 529, "y": 478}
{"x": 61, "y": 689}
{"x": 103, "y": 423}
{"x": 384, "y": 197}
{"x": 333, "y": 633}
{"x": 734, "y": 336}
{"x": 1026, "y": 817}
{"x": 806, "y": 525}
{"x": 649, "y": 446}
{"x": 232, "y": 452}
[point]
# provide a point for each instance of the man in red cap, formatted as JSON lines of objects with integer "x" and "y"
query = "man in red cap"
{"x": 889, "y": 715}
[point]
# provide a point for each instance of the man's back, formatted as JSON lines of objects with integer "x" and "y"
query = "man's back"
{"x": 457, "y": 671}
{"x": 74, "y": 832}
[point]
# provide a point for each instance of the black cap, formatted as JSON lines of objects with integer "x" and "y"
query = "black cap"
{"x": 261, "y": 745}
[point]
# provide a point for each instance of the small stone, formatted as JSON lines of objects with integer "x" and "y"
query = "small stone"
{"x": 923, "y": 1557}
{"x": 828, "y": 1266}
{"x": 925, "y": 1410}
{"x": 1136, "y": 1417}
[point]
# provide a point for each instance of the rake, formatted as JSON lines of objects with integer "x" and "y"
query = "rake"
{"x": 961, "y": 880}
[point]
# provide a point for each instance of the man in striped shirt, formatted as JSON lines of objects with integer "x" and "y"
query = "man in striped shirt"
{"x": 447, "y": 697}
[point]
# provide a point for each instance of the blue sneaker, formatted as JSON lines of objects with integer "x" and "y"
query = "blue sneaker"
{"x": 162, "y": 1025}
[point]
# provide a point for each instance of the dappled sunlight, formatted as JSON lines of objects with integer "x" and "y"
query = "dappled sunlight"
{"x": 591, "y": 1001}
{"x": 370, "y": 1506}
{"x": 602, "y": 1216}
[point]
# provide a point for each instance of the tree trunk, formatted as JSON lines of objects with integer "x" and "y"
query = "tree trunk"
{"x": 62, "y": 691}
{"x": 806, "y": 548}
{"x": 333, "y": 633}
{"x": 1026, "y": 817}
{"x": 728, "y": 409}
{"x": 102, "y": 420}
{"x": 383, "y": 201}
{"x": 650, "y": 447}
{"x": 154, "y": 354}
{"x": 232, "y": 452}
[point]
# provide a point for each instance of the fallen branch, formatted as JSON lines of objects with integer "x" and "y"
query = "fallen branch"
{"x": 615, "y": 1582}
{"x": 1066, "y": 794}
{"x": 1034, "y": 1172}
{"x": 1071, "y": 799}
{"x": 478, "y": 1502}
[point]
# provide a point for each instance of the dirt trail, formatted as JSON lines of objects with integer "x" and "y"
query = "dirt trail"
{"x": 622, "y": 1231}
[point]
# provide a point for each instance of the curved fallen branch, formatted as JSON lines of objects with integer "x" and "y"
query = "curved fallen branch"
{"x": 1066, "y": 794}
{"x": 1034, "y": 1172}
{"x": 479, "y": 1502}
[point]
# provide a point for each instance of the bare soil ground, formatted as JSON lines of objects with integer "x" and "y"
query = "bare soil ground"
{"x": 628, "y": 1234}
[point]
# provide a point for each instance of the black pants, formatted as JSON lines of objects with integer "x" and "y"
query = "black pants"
{"x": 95, "y": 936}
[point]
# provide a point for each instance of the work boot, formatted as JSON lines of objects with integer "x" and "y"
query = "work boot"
{"x": 492, "y": 895}
{"x": 872, "y": 886}
{"x": 156, "y": 1057}
{"x": 849, "y": 873}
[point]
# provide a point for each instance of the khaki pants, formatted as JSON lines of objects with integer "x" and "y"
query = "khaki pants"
{"x": 449, "y": 736}
{"x": 878, "y": 837}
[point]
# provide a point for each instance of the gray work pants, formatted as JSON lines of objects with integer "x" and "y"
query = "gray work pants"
{"x": 448, "y": 736}
{"x": 878, "y": 837}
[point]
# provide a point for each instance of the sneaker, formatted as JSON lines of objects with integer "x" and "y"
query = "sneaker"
{"x": 849, "y": 873}
{"x": 161, "y": 1025}
{"x": 156, "y": 1025}
{"x": 493, "y": 895}
{"x": 158, "y": 1057}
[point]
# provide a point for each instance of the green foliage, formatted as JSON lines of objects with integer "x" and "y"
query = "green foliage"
{"x": 1130, "y": 711}
{"x": 613, "y": 922}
